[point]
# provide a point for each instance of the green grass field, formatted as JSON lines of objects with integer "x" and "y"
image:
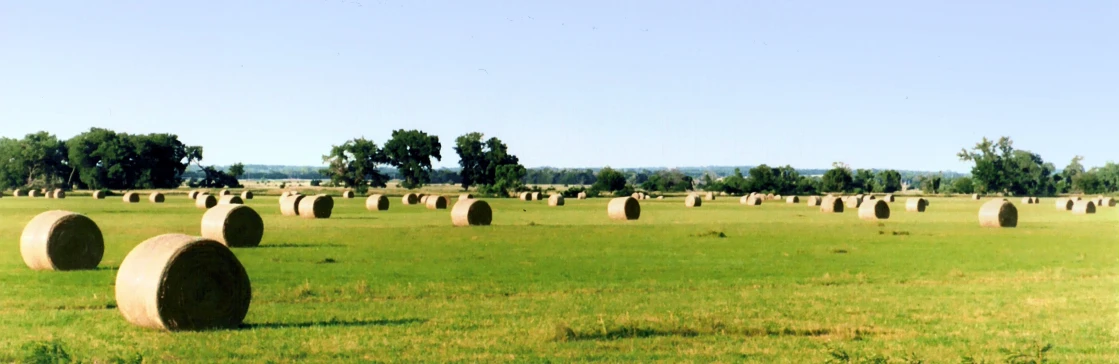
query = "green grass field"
{"x": 785, "y": 284}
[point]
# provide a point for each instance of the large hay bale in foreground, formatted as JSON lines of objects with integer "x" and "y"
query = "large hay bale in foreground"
{"x": 377, "y": 203}
{"x": 854, "y": 201}
{"x": 692, "y": 200}
{"x": 916, "y": 204}
{"x": 831, "y": 204}
{"x": 624, "y": 208}
{"x": 193, "y": 194}
{"x": 233, "y": 225}
{"x": 58, "y": 193}
{"x": 813, "y": 201}
{"x": 874, "y": 210}
{"x": 61, "y": 240}
{"x": 410, "y": 199}
{"x": 998, "y": 213}
{"x": 348, "y": 194}
{"x": 231, "y": 200}
{"x": 436, "y": 203}
{"x": 205, "y": 201}
{"x": 581, "y": 196}
{"x": 246, "y": 195}
{"x": 130, "y": 197}
{"x": 471, "y": 212}
{"x": 316, "y": 207}
{"x": 1084, "y": 207}
{"x": 555, "y": 200}
{"x": 792, "y": 199}
{"x": 99, "y": 195}
{"x": 156, "y": 197}
{"x": 1064, "y": 204}
{"x": 289, "y": 206}
{"x": 177, "y": 282}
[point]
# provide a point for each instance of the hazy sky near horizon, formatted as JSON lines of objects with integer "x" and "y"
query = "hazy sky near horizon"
{"x": 875, "y": 84}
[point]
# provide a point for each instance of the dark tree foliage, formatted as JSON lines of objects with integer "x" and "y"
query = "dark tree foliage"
{"x": 356, "y": 164}
{"x": 103, "y": 158}
{"x": 888, "y": 181}
{"x": 488, "y": 165}
{"x": 837, "y": 179}
{"x": 411, "y": 151}
{"x": 668, "y": 181}
{"x": 610, "y": 180}
{"x": 999, "y": 168}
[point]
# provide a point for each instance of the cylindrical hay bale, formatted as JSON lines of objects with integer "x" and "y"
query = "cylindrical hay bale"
{"x": 1083, "y": 207}
{"x": 236, "y": 226}
{"x": 316, "y": 207}
{"x": 710, "y": 196}
{"x": 660, "y": 197}
{"x": 916, "y": 205}
{"x": 33, "y": 193}
{"x": 231, "y": 200}
{"x": 692, "y": 200}
{"x": 536, "y": 196}
{"x": 582, "y": 196}
{"x": 61, "y": 240}
{"x": 17, "y": 193}
{"x": 854, "y": 201}
{"x": 156, "y": 197}
{"x": 1027, "y": 200}
{"x": 624, "y": 208}
{"x": 58, "y": 193}
{"x": 813, "y": 201}
{"x": 755, "y": 200}
{"x": 471, "y": 212}
{"x": 1064, "y": 204}
{"x": 178, "y": 282}
{"x": 975, "y": 197}
{"x": 555, "y": 200}
{"x": 1036, "y": 200}
{"x": 792, "y": 199}
{"x": 742, "y": 200}
{"x": 246, "y": 195}
{"x": 99, "y": 195}
{"x": 410, "y": 199}
{"x": 193, "y": 194}
{"x": 524, "y": 196}
{"x": 436, "y": 203}
{"x": 423, "y": 200}
{"x": 888, "y": 198}
{"x": 465, "y": 196}
{"x": 1107, "y": 202}
{"x": 777, "y": 197}
{"x": 377, "y": 203}
{"x": 874, "y": 210}
{"x": 225, "y": 193}
{"x": 348, "y": 194}
{"x": 636, "y": 195}
{"x": 1075, "y": 198}
{"x": 289, "y": 206}
{"x": 205, "y": 201}
{"x": 831, "y": 204}
{"x": 998, "y": 213}
{"x": 131, "y": 197}
{"x": 868, "y": 198}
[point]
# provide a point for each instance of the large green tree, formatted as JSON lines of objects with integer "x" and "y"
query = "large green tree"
{"x": 411, "y": 151}
{"x": 482, "y": 164}
{"x": 609, "y": 179}
{"x": 888, "y": 181}
{"x": 999, "y": 168}
{"x": 102, "y": 158}
{"x": 356, "y": 164}
{"x": 837, "y": 179}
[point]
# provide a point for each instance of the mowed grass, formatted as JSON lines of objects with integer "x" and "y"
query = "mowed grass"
{"x": 786, "y": 284}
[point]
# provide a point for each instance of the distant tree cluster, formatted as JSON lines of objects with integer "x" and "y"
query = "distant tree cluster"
{"x": 488, "y": 165}
{"x": 357, "y": 163}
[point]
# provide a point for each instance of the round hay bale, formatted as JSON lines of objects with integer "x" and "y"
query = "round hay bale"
{"x": 231, "y": 200}
{"x": 377, "y": 203}
{"x": 868, "y": 198}
{"x": 246, "y": 195}
{"x": 624, "y": 208}
{"x": 660, "y": 197}
{"x": 17, "y": 193}
{"x": 156, "y": 197}
{"x": 1027, "y": 200}
{"x": 874, "y": 210}
{"x": 854, "y": 201}
{"x": 205, "y": 201}
{"x": 58, "y": 193}
{"x": 225, "y": 192}
{"x": 61, "y": 240}
{"x": 555, "y": 200}
{"x": 1075, "y": 198}
{"x": 889, "y": 197}
{"x": 193, "y": 194}
{"x": 536, "y": 196}
{"x": 523, "y": 196}
{"x": 423, "y": 199}
{"x": 1107, "y": 202}
{"x": 692, "y": 200}
{"x": 710, "y": 196}
{"x": 636, "y": 195}
{"x": 975, "y": 197}
{"x": 465, "y": 196}
{"x": 1064, "y": 204}
{"x": 410, "y": 199}
{"x": 348, "y": 194}
{"x": 1084, "y": 207}
{"x": 722, "y": 193}
{"x": 436, "y": 203}
{"x": 131, "y": 197}
{"x": 998, "y": 213}
{"x": 177, "y": 282}
{"x": 33, "y": 193}
{"x": 233, "y": 225}
{"x": 742, "y": 200}
{"x": 777, "y": 197}
{"x": 792, "y": 199}
{"x": 581, "y": 196}
{"x": 813, "y": 201}
{"x": 916, "y": 204}
{"x": 755, "y": 200}
{"x": 471, "y": 212}
{"x": 831, "y": 204}
{"x": 99, "y": 195}
{"x": 289, "y": 206}
{"x": 316, "y": 207}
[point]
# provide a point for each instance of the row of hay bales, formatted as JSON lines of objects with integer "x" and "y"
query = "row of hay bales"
{"x": 293, "y": 203}
{"x": 47, "y": 193}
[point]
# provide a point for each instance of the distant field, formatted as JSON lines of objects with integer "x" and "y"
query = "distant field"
{"x": 786, "y": 284}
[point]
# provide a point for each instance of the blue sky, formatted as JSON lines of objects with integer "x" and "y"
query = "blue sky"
{"x": 875, "y": 84}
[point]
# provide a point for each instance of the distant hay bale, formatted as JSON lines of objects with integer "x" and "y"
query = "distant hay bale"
{"x": 205, "y": 201}
{"x": 423, "y": 199}
{"x": 193, "y": 194}
{"x": 636, "y": 195}
{"x": 536, "y": 196}
{"x": 854, "y": 201}
{"x": 868, "y": 198}
{"x": 225, "y": 192}
{"x": 17, "y": 193}
{"x": 1084, "y": 207}
{"x": 742, "y": 200}
{"x": 471, "y": 212}
{"x": 755, "y": 200}
{"x": 998, "y": 213}
{"x": 831, "y": 204}
{"x": 1075, "y": 198}
{"x": 348, "y": 194}
{"x": 874, "y": 210}
{"x": 1027, "y": 200}
{"x": 710, "y": 196}
{"x": 177, "y": 282}
{"x": 792, "y": 199}
{"x": 581, "y": 196}
{"x": 889, "y": 197}
{"x": 525, "y": 196}
{"x": 1107, "y": 202}
{"x": 1064, "y": 204}
{"x": 231, "y": 200}
{"x": 777, "y": 197}
{"x": 722, "y": 193}
{"x": 556, "y": 200}
{"x": 465, "y": 196}
{"x": 316, "y": 207}
{"x": 58, "y": 193}
{"x": 155, "y": 197}
{"x": 233, "y": 225}
{"x": 61, "y": 240}
{"x": 131, "y": 197}
{"x": 436, "y": 203}
{"x": 692, "y": 200}
{"x": 660, "y": 197}
{"x": 377, "y": 203}
{"x": 289, "y": 206}
{"x": 813, "y": 201}
{"x": 624, "y": 208}
{"x": 975, "y": 197}
{"x": 410, "y": 199}
{"x": 916, "y": 204}
{"x": 246, "y": 195}
{"x": 99, "y": 195}
{"x": 33, "y": 193}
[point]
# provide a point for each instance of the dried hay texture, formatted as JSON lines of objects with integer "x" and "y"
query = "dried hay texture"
{"x": 525, "y": 196}
{"x": 624, "y": 208}
{"x": 58, "y": 193}
{"x": 755, "y": 200}
{"x": 555, "y": 200}
{"x": 536, "y": 196}
{"x": 792, "y": 200}
{"x": 246, "y": 195}
{"x": 61, "y": 240}
{"x": 436, "y": 203}
{"x": 377, "y": 203}
{"x": 710, "y": 196}
{"x": 916, "y": 204}
{"x": 471, "y": 212}
{"x": 410, "y": 199}
{"x": 581, "y": 196}
{"x": 1064, "y": 204}
{"x": 423, "y": 199}
{"x": 975, "y": 197}
{"x": 1084, "y": 207}
{"x": 868, "y": 198}
{"x": 854, "y": 201}
{"x": 831, "y": 204}
{"x": 316, "y": 207}
{"x": 193, "y": 194}
{"x": 17, "y": 193}
{"x": 1107, "y": 202}
{"x": 692, "y": 200}
{"x": 348, "y": 194}
{"x": 233, "y": 225}
{"x": 33, "y": 193}
{"x": 813, "y": 201}
{"x": 465, "y": 196}
{"x": 131, "y": 197}
{"x": 156, "y": 197}
{"x": 998, "y": 213}
{"x": 225, "y": 193}
{"x": 231, "y": 200}
{"x": 205, "y": 201}
{"x": 289, "y": 206}
{"x": 660, "y": 197}
{"x": 888, "y": 198}
{"x": 874, "y": 210}
{"x": 177, "y": 282}
{"x": 99, "y": 195}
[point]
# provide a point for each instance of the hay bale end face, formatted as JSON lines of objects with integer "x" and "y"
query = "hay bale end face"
{"x": 436, "y": 203}
{"x": 471, "y": 212}
{"x": 692, "y": 200}
{"x": 792, "y": 200}
{"x": 831, "y": 204}
{"x": 99, "y": 195}
{"x": 289, "y": 206}
{"x": 205, "y": 201}
{"x": 710, "y": 196}
{"x": 316, "y": 207}
{"x": 410, "y": 199}
{"x": 246, "y": 195}
{"x": 156, "y": 197}
{"x": 233, "y": 225}
{"x": 1064, "y": 204}
{"x": 874, "y": 210}
{"x": 177, "y": 282}
{"x": 998, "y": 213}
{"x": 916, "y": 205}
{"x": 231, "y": 200}
{"x": 58, "y": 193}
{"x": 1084, "y": 207}
{"x": 348, "y": 194}
{"x": 131, "y": 197}
{"x": 624, "y": 208}
{"x": 854, "y": 201}
{"x": 61, "y": 240}
{"x": 555, "y": 200}
{"x": 535, "y": 196}
{"x": 813, "y": 201}
{"x": 377, "y": 203}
